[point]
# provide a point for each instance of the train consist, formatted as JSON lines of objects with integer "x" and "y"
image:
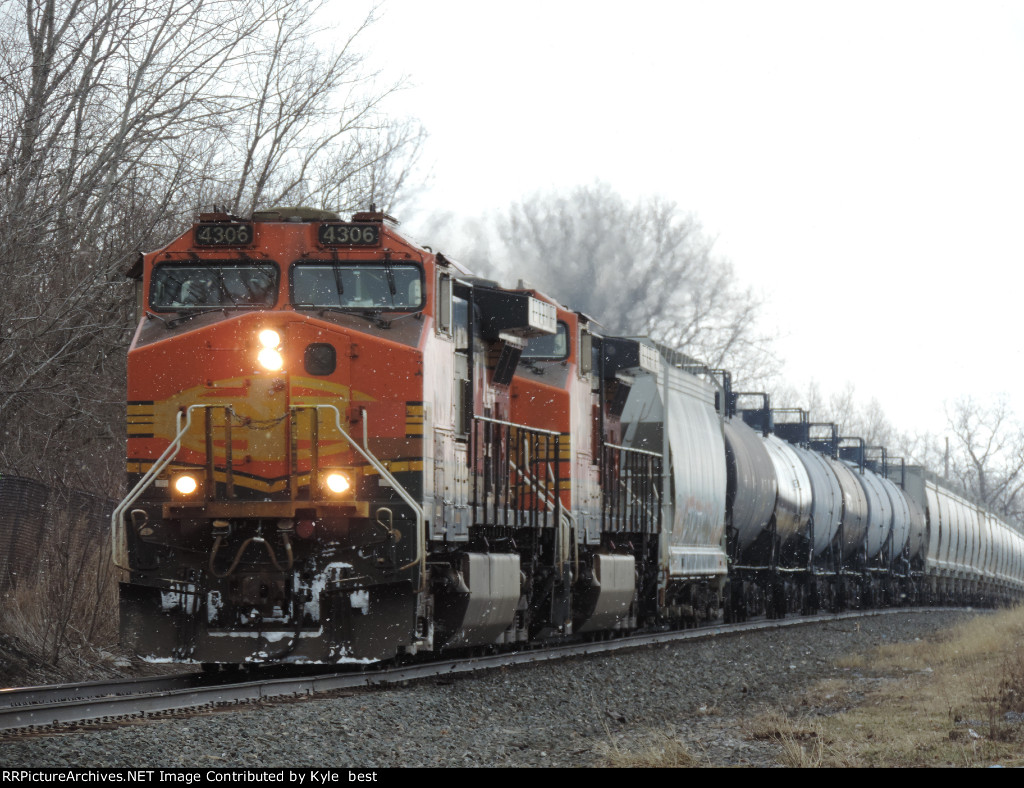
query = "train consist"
{"x": 342, "y": 447}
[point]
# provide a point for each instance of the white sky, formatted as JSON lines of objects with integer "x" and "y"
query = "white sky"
{"x": 861, "y": 163}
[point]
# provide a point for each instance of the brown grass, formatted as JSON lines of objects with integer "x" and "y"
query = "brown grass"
{"x": 801, "y": 743}
{"x": 665, "y": 753}
{"x": 64, "y": 616}
{"x": 943, "y": 701}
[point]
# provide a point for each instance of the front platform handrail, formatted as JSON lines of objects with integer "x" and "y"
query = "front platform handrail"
{"x": 117, "y": 518}
{"x": 117, "y": 523}
{"x": 404, "y": 494}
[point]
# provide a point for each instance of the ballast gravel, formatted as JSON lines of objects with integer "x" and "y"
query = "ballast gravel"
{"x": 567, "y": 713}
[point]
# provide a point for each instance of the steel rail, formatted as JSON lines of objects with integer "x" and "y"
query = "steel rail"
{"x": 15, "y": 697}
{"x": 163, "y": 695}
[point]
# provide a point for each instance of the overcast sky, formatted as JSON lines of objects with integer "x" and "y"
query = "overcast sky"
{"x": 861, "y": 163}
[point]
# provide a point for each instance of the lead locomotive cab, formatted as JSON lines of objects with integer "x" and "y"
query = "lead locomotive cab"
{"x": 276, "y": 407}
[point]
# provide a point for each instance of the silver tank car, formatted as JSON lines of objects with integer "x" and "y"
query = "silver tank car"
{"x": 855, "y": 508}
{"x": 793, "y": 502}
{"x": 752, "y": 484}
{"x": 901, "y": 523}
{"x": 879, "y": 511}
{"x": 826, "y": 499}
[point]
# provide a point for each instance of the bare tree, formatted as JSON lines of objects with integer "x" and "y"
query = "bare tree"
{"x": 856, "y": 419}
{"x": 867, "y": 421}
{"x": 120, "y": 118}
{"x": 314, "y": 130}
{"x": 988, "y": 455}
{"x": 642, "y": 268}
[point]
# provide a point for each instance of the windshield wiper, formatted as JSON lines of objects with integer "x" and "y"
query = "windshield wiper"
{"x": 538, "y": 365}
{"x": 373, "y": 315}
{"x": 223, "y": 288}
{"x": 184, "y": 317}
{"x": 337, "y": 281}
{"x": 417, "y": 315}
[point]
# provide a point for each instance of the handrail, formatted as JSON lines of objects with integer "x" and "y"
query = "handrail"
{"x": 554, "y": 504}
{"x": 638, "y": 500}
{"x": 386, "y": 474}
{"x": 630, "y": 487}
{"x": 574, "y": 535}
{"x": 117, "y": 518}
{"x": 536, "y": 430}
{"x": 546, "y": 495}
{"x": 633, "y": 450}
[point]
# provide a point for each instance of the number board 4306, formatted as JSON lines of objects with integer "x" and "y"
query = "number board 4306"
{"x": 349, "y": 235}
{"x": 223, "y": 234}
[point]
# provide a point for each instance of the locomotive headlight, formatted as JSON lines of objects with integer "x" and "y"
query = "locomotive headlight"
{"x": 185, "y": 485}
{"x": 336, "y": 482}
{"x": 269, "y": 356}
{"x": 270, "y": 338}
{"x": 270, "y": 359}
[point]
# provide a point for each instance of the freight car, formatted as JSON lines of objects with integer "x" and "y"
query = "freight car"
{"x": 344, "y": 447}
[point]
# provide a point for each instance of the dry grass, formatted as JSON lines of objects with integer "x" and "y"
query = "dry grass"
{"x": 829, "y": 695}
{"x": 951, "y": 700}
{"x": 63, "y": 617}
{"x": 664, "y": 754}
{"x": 801, "y": 742}
{"x": 774, "y": 726}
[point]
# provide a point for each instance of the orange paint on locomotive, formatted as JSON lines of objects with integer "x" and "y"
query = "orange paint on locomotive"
{"x": 215, "y": 363}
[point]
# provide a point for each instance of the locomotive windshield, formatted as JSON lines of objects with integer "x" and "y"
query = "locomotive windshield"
{"x": 550, "y": 346}
{"x": 383, "y": 286}
{"x": 213, "y": 285}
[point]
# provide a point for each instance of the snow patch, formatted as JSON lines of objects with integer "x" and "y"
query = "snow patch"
{"x": 360, "y": 601}
{"x": 332, "y": 572}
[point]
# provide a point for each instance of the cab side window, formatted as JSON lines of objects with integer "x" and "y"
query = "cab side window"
{"x": 444, "y": 304}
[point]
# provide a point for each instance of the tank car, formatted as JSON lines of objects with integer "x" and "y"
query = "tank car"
{"x": 819, "y": 520}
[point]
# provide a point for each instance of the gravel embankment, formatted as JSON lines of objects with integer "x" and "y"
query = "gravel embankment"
{"x": 561, "y": 714}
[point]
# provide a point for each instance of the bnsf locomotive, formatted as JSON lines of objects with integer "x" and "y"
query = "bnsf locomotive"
{"x": 343, "y": 447}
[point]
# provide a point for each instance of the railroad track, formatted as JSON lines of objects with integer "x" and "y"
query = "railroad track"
{"x": 103, "y": 701}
